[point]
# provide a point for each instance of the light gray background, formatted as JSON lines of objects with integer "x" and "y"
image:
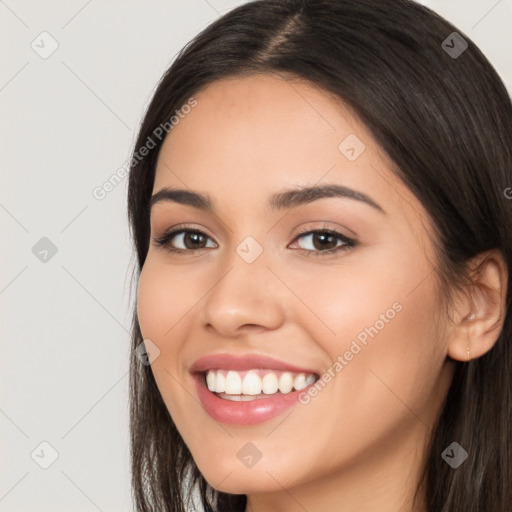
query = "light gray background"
{"x": 68, "y": 123}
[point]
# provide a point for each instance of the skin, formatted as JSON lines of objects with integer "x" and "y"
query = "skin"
{"x": 359, "y": 445}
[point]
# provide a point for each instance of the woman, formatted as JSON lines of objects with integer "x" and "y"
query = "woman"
{"x": 319, "y": 207}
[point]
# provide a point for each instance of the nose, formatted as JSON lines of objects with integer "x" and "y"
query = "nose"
{"x": 246, "y": 296}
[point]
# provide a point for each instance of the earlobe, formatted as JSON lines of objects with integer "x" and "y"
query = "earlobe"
{"x": 478, "y": 327}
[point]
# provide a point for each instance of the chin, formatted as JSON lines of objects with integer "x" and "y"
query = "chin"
{"x": 247, "y": 485}
{"x": 233, "y": 480}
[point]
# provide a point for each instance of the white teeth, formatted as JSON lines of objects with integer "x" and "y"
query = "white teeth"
{"x": 251, "y": 384}
{"x": 310, "y": 379}
{"x": 220, "y": 383}
{"x": 210, "y": 380}
{"x": 240, "y": 398}
{"x": 300, "y": 382}
{"x": 286, "y": 382}
{"x": 270, "y": 384}
{"x": 233, "y": 383}
{"x": 256, "y": 383}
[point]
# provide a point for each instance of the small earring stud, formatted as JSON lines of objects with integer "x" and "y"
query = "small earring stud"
{"x": 470, "y": 318}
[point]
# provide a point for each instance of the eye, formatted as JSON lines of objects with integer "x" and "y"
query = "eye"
{"x": 324, "y": 241}
{"x": 193, "y": 240}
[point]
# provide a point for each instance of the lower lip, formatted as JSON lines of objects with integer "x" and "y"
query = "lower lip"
{"x": 244, "y": 413}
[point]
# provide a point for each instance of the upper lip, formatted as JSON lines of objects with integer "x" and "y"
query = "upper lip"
{"x": 244, "y": 362}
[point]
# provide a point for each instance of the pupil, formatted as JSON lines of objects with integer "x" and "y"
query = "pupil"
{"x": 323, "y": 236}
{"x": 194, "y": 237}
{"x": 326, "y": 239}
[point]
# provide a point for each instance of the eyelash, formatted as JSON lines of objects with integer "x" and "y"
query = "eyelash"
{"x": 348, "y": 243}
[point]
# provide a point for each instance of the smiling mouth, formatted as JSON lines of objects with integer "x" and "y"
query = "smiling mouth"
{"x": 255, "y": 384}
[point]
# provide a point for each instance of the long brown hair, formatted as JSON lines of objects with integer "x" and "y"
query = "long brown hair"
{"x": 445, "y": 120}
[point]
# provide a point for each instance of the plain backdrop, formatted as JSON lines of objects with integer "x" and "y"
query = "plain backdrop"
{"x": 69, "y": 121}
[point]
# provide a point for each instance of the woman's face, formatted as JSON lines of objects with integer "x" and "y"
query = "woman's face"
{"x": 363, "y": 319}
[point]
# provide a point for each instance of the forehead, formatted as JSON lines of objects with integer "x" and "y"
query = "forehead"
{"x": 266, "y": 118}
{"x": 250, "y": 136}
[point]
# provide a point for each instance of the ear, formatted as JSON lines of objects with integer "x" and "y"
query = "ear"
{"x": 478, "y": 323}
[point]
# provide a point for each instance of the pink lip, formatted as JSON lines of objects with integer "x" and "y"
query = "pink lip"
{"x": 244, "y": 362}
{"x": 243, "y": 413}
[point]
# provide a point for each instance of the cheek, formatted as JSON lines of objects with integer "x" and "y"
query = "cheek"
{"x": 150, "y": 293}
{"x": 163, "y": 298}
{"x": 162, "y": 304}
{"x": 378, "y": 321}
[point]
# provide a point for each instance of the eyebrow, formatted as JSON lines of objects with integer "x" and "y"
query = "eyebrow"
{"x": 279, "y": 201}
